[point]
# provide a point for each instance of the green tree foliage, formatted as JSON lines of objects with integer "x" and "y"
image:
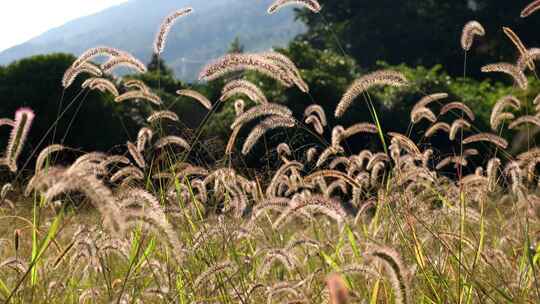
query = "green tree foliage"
{"x": 329, "y": 74}
{"x": 157, "y": 64}
{"x": 420, "y": 32}
{"x": 92, "y": 121}
{"x": 236, "y": 46}
{"x": 191, "y": 113}
{"x": 35, "y": 82}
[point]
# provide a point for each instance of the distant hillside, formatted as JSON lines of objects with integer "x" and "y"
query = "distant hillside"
{"x": 199, "y": 37}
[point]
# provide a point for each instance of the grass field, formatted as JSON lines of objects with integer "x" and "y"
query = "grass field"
{"x": 326, "y": 225}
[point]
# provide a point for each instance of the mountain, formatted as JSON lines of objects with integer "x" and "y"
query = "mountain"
{"x": 194, "y": 40}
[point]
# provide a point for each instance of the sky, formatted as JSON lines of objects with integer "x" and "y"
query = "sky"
{"x": 21, "y": 20}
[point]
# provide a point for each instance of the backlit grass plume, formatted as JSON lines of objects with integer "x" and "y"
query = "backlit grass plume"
{"x": 312, "y": 5}
{"x": 269, "y": 123}
{"x": 395, "y": 270}
{"x": 488, "y": 137}
{"x": 497, "y": 112}
{"x": 72, "y": 73}
{"x": 426, "y": 100}
{"x": 143, "y": 95}
{"x": 519, "y": 45}
{"x": 239, "y": 106}
{"x": 244, "y": 87}
{"x": 439, "y": 126}
{"x": 136, "y": 154}
{"x": 125, "y": 61}
{"x": 44, "y": 155}
{"x": 197, "y": 96}
{"x": 458, "y": 124}
{"x": 530, "y": 9}
{"x": 171, "y": 140}
{"x": 261, "y": 110}
{"x": 165, "y": 114}
{"x": 136, "y": 84}
{"x": 526, "y": 119}
{"x": 239, "y": 62}
{"x": 101, "y": 84}
{"x": 378, "y": 78}
{"x": 165, "y": 28}
{"x": 470, "y": 31}
{"x": 22, "y": 123}
{"x": 454, "y": 106}
{"x": 423, "y": 113}
{"x": 285, "y": 64}
{"x": 527, "y": 59}
{"x": 96, "y": 52}
{"x": 316, "y": 122}
{"x": 143, "y": 137}
{"x": 509, "y": 69}
{"x": 363, "y": 127}
{"x": 316, "y": 109}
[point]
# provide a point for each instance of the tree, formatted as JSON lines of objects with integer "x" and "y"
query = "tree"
{"x": 236, "y": 46}
{"x": 158, "y": 64}
{"x": 35, "y": 82}
{"x": 329, "y": 74}
{"x": 420, "y": 32}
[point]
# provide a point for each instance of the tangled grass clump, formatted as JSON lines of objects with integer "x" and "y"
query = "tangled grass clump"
{"x": 406, "y": 224}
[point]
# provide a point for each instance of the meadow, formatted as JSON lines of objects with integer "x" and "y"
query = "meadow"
{"x": 401, "y": 224}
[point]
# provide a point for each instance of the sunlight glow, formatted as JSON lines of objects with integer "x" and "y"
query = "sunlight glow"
{"x": 21, "y": 20}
